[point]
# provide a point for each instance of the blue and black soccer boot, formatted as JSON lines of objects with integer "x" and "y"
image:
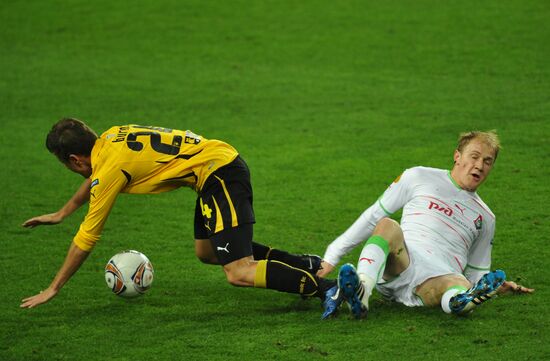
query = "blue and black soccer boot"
{"x": 482, "y": 291}
{"x": 353, "y": 291}
{"x": 331, "y": 303}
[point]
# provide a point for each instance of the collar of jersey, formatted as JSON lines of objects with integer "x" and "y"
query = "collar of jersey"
{"x": 98, "y": 146}
{"x": 453, "y": 181}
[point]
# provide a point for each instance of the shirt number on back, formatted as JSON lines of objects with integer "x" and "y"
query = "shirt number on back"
{"x": 156, "y": 142}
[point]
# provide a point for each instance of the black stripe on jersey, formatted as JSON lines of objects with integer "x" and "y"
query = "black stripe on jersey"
{"x": 188, "y": 156}
{"x": 181, "y": 156}
{"x": 127, "y": 175}
{"x": 192, "y": 174}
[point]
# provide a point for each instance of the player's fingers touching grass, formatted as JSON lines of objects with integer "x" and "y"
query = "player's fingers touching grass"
{"x": 45, "y": 219}
{"x": 510, "y": 287}
{"x": 42, "y": 297}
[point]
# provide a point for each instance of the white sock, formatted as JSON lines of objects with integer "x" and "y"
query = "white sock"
{"x": 371, "y": 263}
{"x": 450, "y": 293}
{"x": 368, "y": 284}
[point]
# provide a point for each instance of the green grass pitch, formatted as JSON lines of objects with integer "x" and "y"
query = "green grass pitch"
{"x": 328, "y": 102}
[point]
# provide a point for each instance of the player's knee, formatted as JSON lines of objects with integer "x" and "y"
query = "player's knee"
{"x": 387, "y": 224}
{"x": 390, "y": 230}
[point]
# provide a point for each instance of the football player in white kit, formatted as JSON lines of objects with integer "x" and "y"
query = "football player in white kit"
{"x": 440, "y": 253}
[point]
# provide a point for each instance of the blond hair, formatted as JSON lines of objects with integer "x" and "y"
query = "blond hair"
{"x": 489, "y": 137}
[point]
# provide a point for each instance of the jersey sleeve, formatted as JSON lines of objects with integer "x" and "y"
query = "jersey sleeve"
{"x": 103, "y": 192}
{"x": 479, "y": 256}
{"x": 393, "y": 199}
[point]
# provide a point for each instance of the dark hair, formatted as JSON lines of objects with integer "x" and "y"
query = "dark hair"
{"x": 70, "y": 136}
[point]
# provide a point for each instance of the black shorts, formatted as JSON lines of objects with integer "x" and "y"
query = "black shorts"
{"x": 223, "y": 207}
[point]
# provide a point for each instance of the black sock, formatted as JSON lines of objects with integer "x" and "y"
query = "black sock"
{"x": 280, "y": 276}
{"x": 260, "y": 252}
{"x": 324, "y": 286}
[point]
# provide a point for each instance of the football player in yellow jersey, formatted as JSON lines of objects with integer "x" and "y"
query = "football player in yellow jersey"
{"x": 144, "y": 159}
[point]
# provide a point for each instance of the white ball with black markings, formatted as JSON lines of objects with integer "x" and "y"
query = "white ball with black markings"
{"x": 129, "y": 274}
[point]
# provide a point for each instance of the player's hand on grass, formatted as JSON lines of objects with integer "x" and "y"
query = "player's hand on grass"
{"x": 46, "y": 219}
{"x": 510, "y": 287}
{"x": 42, "y": 297}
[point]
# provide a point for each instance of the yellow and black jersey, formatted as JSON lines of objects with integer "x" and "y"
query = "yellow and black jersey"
{"x": 144, "y": 159}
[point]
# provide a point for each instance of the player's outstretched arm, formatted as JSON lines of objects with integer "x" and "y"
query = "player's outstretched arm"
{"x": 510, "y": 287}
{"x": 81, "y": 196}
{"x": 74, "y": 259}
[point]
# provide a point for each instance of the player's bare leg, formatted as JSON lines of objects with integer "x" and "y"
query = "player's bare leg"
{"x": 246, "y": 272}
{"x": 310, "y": 263}
{"x": 241, "y": 272}
{"x": 432, "y": 290}
{"x": 398, "y": 257}
{"x": 384, "y": 252}
{"x": 456, "y": 295}
{"x": 235, "y": 251}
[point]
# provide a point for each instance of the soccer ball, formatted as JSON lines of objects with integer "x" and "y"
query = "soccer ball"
{"x": 129, "y": 274}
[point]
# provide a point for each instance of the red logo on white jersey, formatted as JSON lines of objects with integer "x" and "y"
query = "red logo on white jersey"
{"x": 448, "y": 211}
{"x": 369, "y": 260}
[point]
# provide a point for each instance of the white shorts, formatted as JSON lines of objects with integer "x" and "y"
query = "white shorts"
{"x": 425, "y": 263}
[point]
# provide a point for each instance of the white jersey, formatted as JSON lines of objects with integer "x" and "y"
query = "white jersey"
{"x": 437, "y": 214}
